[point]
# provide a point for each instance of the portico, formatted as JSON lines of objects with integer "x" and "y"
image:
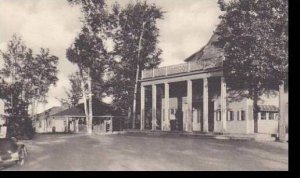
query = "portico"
{"x": 181, "y": 97}
{"x": 193, "y": 97}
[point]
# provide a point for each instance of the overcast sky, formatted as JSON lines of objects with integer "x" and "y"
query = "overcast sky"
{"x": 186, "y": 27}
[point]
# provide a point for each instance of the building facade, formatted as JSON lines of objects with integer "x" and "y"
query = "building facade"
{"x": 3, "y": 126}
{"x": 193, "y": 97}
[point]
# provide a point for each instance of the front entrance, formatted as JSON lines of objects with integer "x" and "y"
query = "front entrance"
{"x": 197, "y": 116}
{"x": 210, "y": 116}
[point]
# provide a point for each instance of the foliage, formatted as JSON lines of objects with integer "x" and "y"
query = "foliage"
{"x": 135, "y": 35}
{"x": 89, "y": 53}
{"x": 75, "y": 94}
{"x": 25, "y": 79}
{"x": 254, "y": 34}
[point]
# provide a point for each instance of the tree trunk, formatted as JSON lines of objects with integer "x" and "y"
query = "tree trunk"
{"x": 281, "y": 119}
{"x": 84, "y": 97}
{"x": 255, "y": 111}
{"x": 35, "y": 109}
{"x": 32, "y": 109}
{"x": 90, "y": 126}
{"x": 137, "y": 78}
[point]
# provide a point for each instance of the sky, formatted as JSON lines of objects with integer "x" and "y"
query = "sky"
{"x": 54, "y": 24}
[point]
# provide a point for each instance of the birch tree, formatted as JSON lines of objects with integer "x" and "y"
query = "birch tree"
{"x": 135, "y": 35}
{"x": 89, "y": 54}
{"x": 26, "y": 80}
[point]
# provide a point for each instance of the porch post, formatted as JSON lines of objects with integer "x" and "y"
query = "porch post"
{"x": 205, "y": 105}
{"x": 67, "y": 122}
{"x": 76, "y": 125}
{"x": 166, "y": 114}
{"x": 223, "y": 105}
{"x": 190, "y": 106}
{"x": 142, "y": 107}
{"x": 111, "y": 124}
{"x": 281, "y": 121}
{"x": 247, "y": 117}
{"x": 154, "y": 107}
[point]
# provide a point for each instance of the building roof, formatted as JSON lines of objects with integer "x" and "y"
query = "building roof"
{"x": 50, "y": 111}
{"x": 209, "y": 51}
{"x": 74, "y": 111}
{"x": 268, "y": 108}
{"x": 99, "y": 109}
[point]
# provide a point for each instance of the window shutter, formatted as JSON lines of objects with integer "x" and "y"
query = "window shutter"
{"x": 243, "y": 115}
{"x": 228, "y": 116}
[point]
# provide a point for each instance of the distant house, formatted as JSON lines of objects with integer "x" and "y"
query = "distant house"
{"x": 73, "y": 119}
{"x": 43, "y": 124}
{"x": 3, "y": 127}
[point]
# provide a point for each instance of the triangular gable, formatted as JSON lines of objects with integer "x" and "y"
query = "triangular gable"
{"x": 209, "y": 52}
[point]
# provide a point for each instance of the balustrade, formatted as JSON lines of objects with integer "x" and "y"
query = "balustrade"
{"x": 183, "y": 68}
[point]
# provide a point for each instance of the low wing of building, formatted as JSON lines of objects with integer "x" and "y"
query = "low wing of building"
{"x": 74, "y": 120}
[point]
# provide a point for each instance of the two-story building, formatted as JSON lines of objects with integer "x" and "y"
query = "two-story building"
{"x": 193, "y": 97}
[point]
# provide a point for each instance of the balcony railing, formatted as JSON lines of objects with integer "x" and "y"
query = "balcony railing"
{"x": 183, "y": 68}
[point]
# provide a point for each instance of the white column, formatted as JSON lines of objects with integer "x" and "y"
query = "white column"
{"x": 205, "y": 105}
{"x": 190, "y": 106}
{"x": 167, "y": 118}
{"x": 67, "y": 122}
{"x": 247, "y": 116}
{"x": 111, "y": 124}
{"x": 281, "y": 121}
{"x": 223, "y": 105}
{"x": 154, "y": 107}
{"x": 76, "y": 125}
{"x": 142, "y": 107}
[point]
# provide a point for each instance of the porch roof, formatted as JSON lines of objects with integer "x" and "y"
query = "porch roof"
{"x": 74, "y": 111}
{"x": 99, "y": 109}
{"x": 268, "y": 108}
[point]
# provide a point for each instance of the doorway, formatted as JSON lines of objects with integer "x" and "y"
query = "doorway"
{"x": 211, "y": 116}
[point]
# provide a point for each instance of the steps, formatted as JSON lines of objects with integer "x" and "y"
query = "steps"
{"x": 190, "y": 134}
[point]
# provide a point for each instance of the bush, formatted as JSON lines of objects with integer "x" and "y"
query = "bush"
{"x": 20, "y": 127}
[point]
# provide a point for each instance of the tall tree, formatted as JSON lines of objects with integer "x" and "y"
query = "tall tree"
{"x": 89, "y": 52}
{"x": 135, "y": 35}
{"x": 43, "y": 73}
{"x": 254, "y": 35}
{"x": 25, "y": 78}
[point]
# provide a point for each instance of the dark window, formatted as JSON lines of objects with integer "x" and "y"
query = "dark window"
{"x": 243, "y": 115}
{"x": 276, "y": 116}
{"x": 198, "y": 116}
{"x": 263, "y": 116}
{"x": 218, "y": 114}
{"x": 230, "y": 115}
{"x": 238, "y": 115}
{"x": 271, "y": 116}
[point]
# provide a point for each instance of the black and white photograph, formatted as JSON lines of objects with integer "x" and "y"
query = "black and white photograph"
{"x": 144, "y": 85}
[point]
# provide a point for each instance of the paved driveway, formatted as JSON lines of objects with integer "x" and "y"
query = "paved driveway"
{"x": 124, "y": 152}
